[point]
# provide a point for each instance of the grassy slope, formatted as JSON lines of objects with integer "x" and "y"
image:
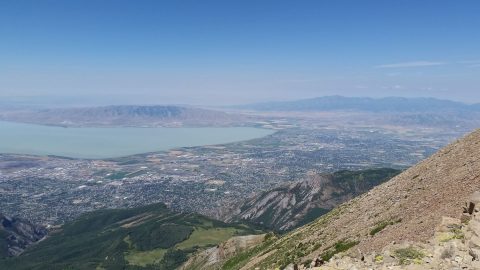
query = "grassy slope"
{"x": 149, "y": 237}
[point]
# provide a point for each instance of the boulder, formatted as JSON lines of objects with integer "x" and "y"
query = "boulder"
{"x": 474, "y": 203}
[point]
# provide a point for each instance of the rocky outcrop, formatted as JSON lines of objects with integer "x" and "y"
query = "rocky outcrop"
{"x": 300, "y": 202}
{"x": 213, "y": 258}
{"x": 17, "y": 234}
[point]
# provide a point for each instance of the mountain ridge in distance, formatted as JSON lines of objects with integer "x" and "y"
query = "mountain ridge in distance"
{"x": 366, "y": 104}
{"x": 123, "y": 115}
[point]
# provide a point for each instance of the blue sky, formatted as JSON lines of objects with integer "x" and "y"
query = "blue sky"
{"x": 228, "y": 52}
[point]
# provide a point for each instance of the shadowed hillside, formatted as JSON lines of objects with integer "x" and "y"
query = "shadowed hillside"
{"x": 17, "y": 234}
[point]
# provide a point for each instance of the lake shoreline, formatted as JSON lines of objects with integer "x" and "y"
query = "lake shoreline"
{"x": 114, "y": 142}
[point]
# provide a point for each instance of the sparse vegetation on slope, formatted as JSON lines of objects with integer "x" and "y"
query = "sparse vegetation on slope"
{"x": 382, "y": 225}
{"x": 408, "y": 254}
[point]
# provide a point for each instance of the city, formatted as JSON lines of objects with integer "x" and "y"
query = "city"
{"x": 207, "y": 179}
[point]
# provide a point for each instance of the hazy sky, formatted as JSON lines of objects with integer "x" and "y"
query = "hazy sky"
{"x": 226, "y": 52}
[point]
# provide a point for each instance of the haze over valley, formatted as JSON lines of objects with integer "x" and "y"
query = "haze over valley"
{"x": 239, "y": 135}
{"x": 206, "y": 179}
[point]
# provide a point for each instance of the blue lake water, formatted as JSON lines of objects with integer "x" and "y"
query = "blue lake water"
{"x": 112, "y": 142}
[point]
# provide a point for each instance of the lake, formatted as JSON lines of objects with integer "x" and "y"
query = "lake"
{"x": 32, "y": 139}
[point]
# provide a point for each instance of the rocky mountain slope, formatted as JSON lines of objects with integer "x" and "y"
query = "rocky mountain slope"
{"x": 149, "y": 237}
{"x": 128, "y": 115}
{"x": 17, "y": 234}
{"x": 298, "y": 203}
{"x": 407, "y": 208}
{"x": 455, "y": 245}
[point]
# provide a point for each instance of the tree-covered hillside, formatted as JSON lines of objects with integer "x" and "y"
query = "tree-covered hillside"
{"x": 150, "y": 237}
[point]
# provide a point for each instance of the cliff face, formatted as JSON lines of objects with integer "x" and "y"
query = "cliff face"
{"x": 407, "y": 208}
{"x": 16, "y": 235}
{"x": 298, "y": 203}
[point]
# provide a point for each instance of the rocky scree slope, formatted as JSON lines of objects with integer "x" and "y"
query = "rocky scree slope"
{"x": 455, "y": 245}
{"x": 406, "y": 208}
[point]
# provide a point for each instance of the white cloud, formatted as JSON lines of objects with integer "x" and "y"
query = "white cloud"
{"x": 393, "y": 87}
{"x": 393, "y": 74}
{"x": 412, "y": 64}
{"x": 469, "y": 62}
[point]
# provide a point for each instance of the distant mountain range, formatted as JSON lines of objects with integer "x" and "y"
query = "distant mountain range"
{"x": 127, "y": 115}
{"x": 391, "y": 110}
{"x": 298, "y": 203}
{"x": 388, "y": 104}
